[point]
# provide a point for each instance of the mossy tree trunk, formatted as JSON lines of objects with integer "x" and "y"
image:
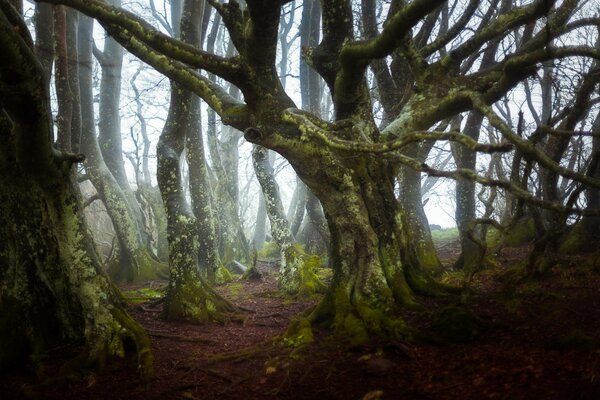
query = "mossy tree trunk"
{"x": 260, "y": 230}
{"x": 135, "y": 263}
{"x": 109, "y": 126}
{"x": 465, "y": 211}
{"x": 200, "y": 191}
{"x": 584, "y": 235}
{"x": 412, "y": 201}
{"x": 52, "y": 290}
{"x": 189, "y": 297}
{"x": 296, "y": 270}
{"x": 376, "y": 268}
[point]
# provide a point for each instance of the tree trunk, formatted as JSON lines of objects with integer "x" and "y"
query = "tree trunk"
{"x": 188, "y": 298}
{"x": 465, "y": 195}
{"x": 297, "y": 268}
{"x": 376, "y": 267}
{"x": 109, "y": 125}
{"x": 53, "y": 291}
{"x": 135, "y": 263}
{"x": 200, "y": 190}
{"x": 411, "y": 201}
{"x": 260, "y": 229}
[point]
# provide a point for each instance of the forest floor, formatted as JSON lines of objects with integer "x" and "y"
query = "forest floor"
{"x": 532, "y": 341}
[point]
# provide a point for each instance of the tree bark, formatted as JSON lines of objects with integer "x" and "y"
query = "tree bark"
{"x": 53, "y": 289}
{"x": 297, "y": 269}
{"x": 135, "y": 263}
{"x": 189, "y": 297}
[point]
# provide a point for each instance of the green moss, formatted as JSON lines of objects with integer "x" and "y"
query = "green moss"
{"x": 223, "y": 275}
{"x": 522, "y": 232}
{"x": 325, "y": 275}
{"x": 427, "y": 256}
{"x": 299, "y": 333}
{"x": 574, "y": 340}
{"x": 456, "y": 325}
{"x": 269, "y": 251}
{"x": 455, "y": 278}
{"x": 139, "y": 267}
{"x": 355, "y": 330}
{"x": 235, "y": 288}
{"x": 142, "y": 295}
{"x": 298, "y": 275}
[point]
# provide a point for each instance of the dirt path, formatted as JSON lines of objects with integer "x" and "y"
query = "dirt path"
{"x": 539, "y": 341}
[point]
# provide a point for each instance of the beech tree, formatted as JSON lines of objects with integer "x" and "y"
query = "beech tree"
{"x": 350, "y": 164}
{"x": 52, "y": 288}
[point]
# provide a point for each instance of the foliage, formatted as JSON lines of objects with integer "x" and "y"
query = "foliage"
{"x": 446, "y": 234}
{"x": 269, "y": 251}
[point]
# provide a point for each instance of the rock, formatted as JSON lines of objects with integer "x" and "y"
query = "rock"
{"x": 236, "y": 268}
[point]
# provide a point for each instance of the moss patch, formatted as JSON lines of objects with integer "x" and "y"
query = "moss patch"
{"x": 223, "y": 275}
{"x": 522, "y": 232}
{"x": 269, "y": 251}
{"x": 299, "y": 333}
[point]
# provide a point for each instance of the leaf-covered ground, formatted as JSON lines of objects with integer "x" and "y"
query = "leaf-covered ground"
{"x": 531, "y": 341}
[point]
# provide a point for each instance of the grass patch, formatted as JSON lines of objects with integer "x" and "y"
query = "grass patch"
{"x": 444, "y": 234}
{"x": 143, "y": 295}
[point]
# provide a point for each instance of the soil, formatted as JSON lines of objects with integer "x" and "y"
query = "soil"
{"x": 538, "y": 340}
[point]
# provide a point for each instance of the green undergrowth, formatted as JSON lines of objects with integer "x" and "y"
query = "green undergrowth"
{"x": 444, "y": 234}
{"x": 269, "y": 251}
{"x": 223, "y": 275}
{"x": 143, "y": 295}
{"x": 235, "y": 289}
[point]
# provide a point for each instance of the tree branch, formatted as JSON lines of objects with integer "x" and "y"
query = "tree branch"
{"x": 307, "y": 127}
{"x": 498, "y": 27}
{"x": 528, "y": 150}
{"x": 232, "y": 111}
{"x": 115, "y": 19}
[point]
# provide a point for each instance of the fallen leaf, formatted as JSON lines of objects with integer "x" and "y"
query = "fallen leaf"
{"x": 373, "y": 395}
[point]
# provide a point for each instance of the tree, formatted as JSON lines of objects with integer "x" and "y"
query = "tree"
{"x": 189, "y": 297}
{"x": 135, "y": 262}
{"x": 350, "y": 164}
{"x": 53, "y": 289}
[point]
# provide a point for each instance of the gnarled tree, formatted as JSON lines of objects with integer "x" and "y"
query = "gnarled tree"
{"x": 350, "y": 164}
{"x": 51, "y": 286}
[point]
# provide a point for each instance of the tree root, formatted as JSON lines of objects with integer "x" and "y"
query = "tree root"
{"x": 179, "y": 337}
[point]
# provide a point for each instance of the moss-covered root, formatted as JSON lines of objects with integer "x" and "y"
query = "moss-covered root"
{"x": 298, "y": 272}
{"x": 353, "y": 324}
{"x": 145, "y": 357}
{"x": 196, "y": 302}
{"x": 421, "y": 282}
{"x": 109, "y": 331}
{"x": 520, "y": 232}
